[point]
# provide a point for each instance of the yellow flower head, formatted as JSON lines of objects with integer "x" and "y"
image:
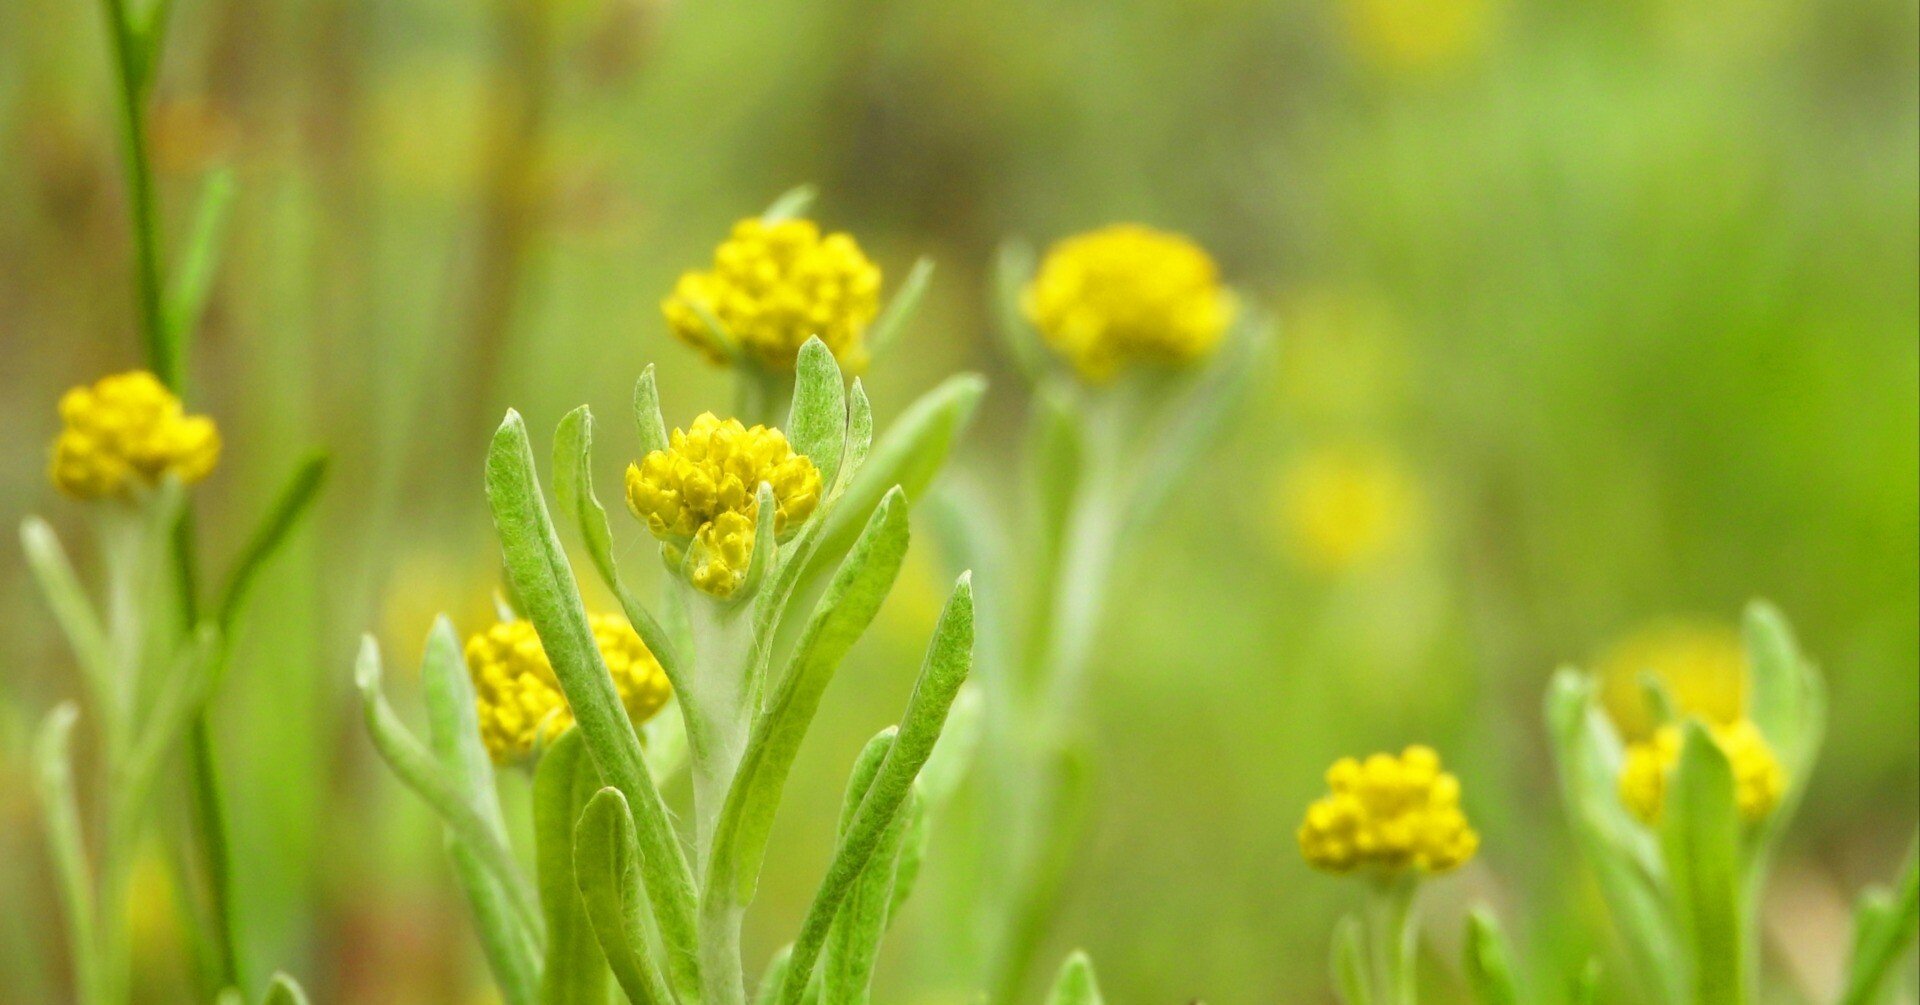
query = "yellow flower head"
{"x": 1758, "y": 779}
{"x": 1700, "y": 663}
{"x": 128, "y": 431}
{"x": 520, "y": 702}
{"x": 1128, "y": 294}
{"x": 1346, "y": 506}
{"x": 1389, "y": 814}
{"x": 703, "y": 489}
{"x": 772, "y": 286}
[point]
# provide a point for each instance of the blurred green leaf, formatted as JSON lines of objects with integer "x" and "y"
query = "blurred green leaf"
{"x": 1489, "y": 962}
{"x": 1885, "y": 924}
{"x": 284, "y": 990}
{"x": 72, "y": 611}
{"x": 200, "y": 258}
{"x": 1350, "y": 963}
{"x": 1194, "y": 419}
{"x": 794, "y": 202}
{"x": 1700, "y": 833}
{"x": 1075, "y": 985}
{"x": 773, "y": 978}
{"x": 66, "y": 842}
{"x": 1013, "y": 269}
{"x": 282, "y": 517}
{"x": 899, "y": 310}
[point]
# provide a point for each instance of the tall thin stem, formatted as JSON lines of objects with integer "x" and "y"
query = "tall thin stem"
{"x": 133, "y": 68}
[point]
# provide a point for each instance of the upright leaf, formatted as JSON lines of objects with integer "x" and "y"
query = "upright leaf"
{"x": 792, "y": 203}
{"x": 1076, "y": 985}
{"x": 906, "y": 299}
{"x": 1701, "y": 837}
{"x": 1489, "y": 962}
{"x": 575, "y": 971}
{"x": 606, "y": 864}
{"x": 854, "y": 942}
{"x": 817, "y": 422}
{"x": 1884, "y": 928}
{"x": 1350, "y": 963}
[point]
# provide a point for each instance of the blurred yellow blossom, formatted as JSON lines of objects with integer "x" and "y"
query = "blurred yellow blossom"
{"x": 1346, "y": 505}
{"x": 519, "y": 699}
{"x": 1700, "y": 663}
{"x": 1417, "y": 35}
{"x": 1390, "y": 814}
{"x": 1345, "y": 357}
{"x": 703, "y": 490}
{"x": 127, "y": 431}
{"x": 1758, "y": 779}
{"x": 1128, "y": 294}
{"x": 774, "y": 285}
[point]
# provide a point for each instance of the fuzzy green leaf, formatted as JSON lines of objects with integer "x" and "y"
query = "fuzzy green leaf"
{"x": 841, "y": 616}
{"x": 1199, "y": 415}
{"x": 1075, "y": 985}
{"x": 543, "y": 581}
{"x": 575, "y": 971}
{"x": 817, "y": 422}
{"x": 853, "y": 944}
{"x": 893, "y": 319}
{"x": 606, "y": 862}
{"x": 773, "y": 978}
{"x": 1013, "y": 269}
{"x": 949, "y": 658}
{"x": 859, "y": 432}
{"x": 66, "y": 841}
{"x": 72, "y": 611}
{"x": 1884, "y": 928}
{"x": 794, "y": 202}
{"x": 511, "y": 954}
{"x": 1489, "y": 962}
{"x": 1700, "y": 835}
{"x": 646, "y": 413}
{"x": 284, "y": 990}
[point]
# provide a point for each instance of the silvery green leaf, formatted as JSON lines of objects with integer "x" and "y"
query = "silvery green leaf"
{"x": 859, "y": 433}
{"x": 1658, "y": 698}
{"x": 509, "y": 949}
{"x": 792, "y": 203}
{"x": 66, "y": 841}
{"x": 842, "y": 615}
{"x": 817, "y": 422}
{"x": 893, "y": 319}
{"x": 543, "y": 580}
{"x": 575, "y": 971}
{"x": 646, "y": 413}
{"x": 1789, "y": 697}
{"x": 1624, "y": 857}
{"x": 1700, "y": 834}
{"x": 1489, "y": 962}
{"x": 913, "y": 847}
{"x": 420, "y": 771}
{"x": 775, "y": 975}
{"x": 72, "y": 611}
{"x": 180, "y": 696}
{"x": 1055, "y": 463}
{"x": 1350, "y": 963}
{"x": 760, "y": 562}
{"x": 1075, "y": 984}
{"x": 953, "y": 755}
{"x": 606, "y": 862}
{"x": 853, "y": 944}
{"x": 1013, "y": 270}
{"x": 284, "y": 990}
{"x": 1884, "y": 927}
{"x": 949, "y": 658}
{"x": 1060, "y": 823}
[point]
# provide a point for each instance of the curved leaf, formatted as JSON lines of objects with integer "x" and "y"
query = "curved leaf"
{"x": 606, "y": 864}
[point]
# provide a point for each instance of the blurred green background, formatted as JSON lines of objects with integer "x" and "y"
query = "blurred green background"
{"x": 1594, "y": 316}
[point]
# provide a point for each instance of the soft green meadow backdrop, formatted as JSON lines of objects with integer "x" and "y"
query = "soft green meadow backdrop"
{"x": 1592, "y": 316}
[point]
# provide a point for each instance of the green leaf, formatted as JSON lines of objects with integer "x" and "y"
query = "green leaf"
{"x": 1489, "y": 962}
{"x": 859, "y": 433}
{"x": 417, "y": 768}
{"x": 792, "y": 203}
{"x": 1075, "y": 985}
{"x": 913, "y": 847}
{"x": 646, "y": 413}
{"x": 1200, "y": 414}
{"x": 894, "y": 317}
{"x": 72, "y": 611}
{"x": 1788, "y": 696}
{"x": 841, "y": 616}
{"x": 1884, "y": 928}
{"x": 1350, "y": 963}
{"x": 1586, "y": 987}
{"x": 201, "y": 256}
{"x": 181, "y": 694}
{"x": 949, "y": 658}
{"x": 284, "y": 990}
{"x": 817, "y": 422}
{"x": 1700, "y": 835}
{"x": 573, "y": 489}
{"x": 511, "y": 954}
{"x": 953, "y": 755}
{"x": 543, "y": 581}
{"x": 1013, "y": 270}
{"x": 66, "y": 841}
{"x": 853, "y": 944}
{"x": 289, "y": 506}
{"x": 606, "y": 863}
{"x": 1624, "y": 858}
{"x": 775, "y": 975}
{"x": 575, "y": 971}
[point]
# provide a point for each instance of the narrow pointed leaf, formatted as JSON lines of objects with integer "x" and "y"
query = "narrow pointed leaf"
{"x": 575, "y": 971}
{"x": 646, "y": 413}
{"x": 293, "y": 503}
{"x": 794, "y": 202}
{"x": 200, "y": 259}
{"x": 510, "y": 951}
{"x": 1013, "y": 269}
{"x": 72, "y": 611}
{"x": 1350, "y": 964}
{"x": 853, "y": 945}
{"x": 899, "y": 310}
{"x": 1884, "y": 928}
{"x": 1075, "y": 984}
{"x": 775, "y": 975}
{"x": 1701, "y": 839}
{"x": 66, "y": 841}
{"x": 859, "y": 431}
{"x": 284, "y": 990}
{"x": 1489, "y": 962}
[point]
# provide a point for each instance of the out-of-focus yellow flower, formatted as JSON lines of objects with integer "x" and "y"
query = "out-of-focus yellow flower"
{"x": 1417, "y": 35}
{"x": 520, "y": 702}
{"x": 1700, "y": 663}
{"x": 153, "y": 911}
{"x": 774, "y": 285}
{"x": 1346, "y": 505}
{"x": 1758, "y": 779}
{"x": 703, "y": 490}
{"x": 127, "y": 431}
{"x": 1128, "y": 294}
{"x": 1389, "y": 814}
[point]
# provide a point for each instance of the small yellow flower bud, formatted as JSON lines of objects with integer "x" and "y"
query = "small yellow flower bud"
{"x": 519, "y": 699}
{"x": 127, "y": 431}
{"x": 1758, "y": 779}
{"x": 1389, "y": 814}
{"x": 1125, "y": 295}
{"x": 703, "y": 490}
{"x": 774, "y": 285}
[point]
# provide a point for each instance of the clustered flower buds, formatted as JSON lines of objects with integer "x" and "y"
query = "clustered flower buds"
{"x": 127, "y": 431}
{"x": 774, "y": 285}
{"x": 703, "y": 489}
{"x": 1388, "y": 813}
{"x": 1758, "y": 779}
{"x": 1128, "y": 294}
{"x": 520, "y": 702}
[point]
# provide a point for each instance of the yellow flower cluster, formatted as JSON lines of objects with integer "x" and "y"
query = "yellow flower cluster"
{"x": 772, "y": 286}
{"x": 1388, "y": 813}
{"x": 1128, "y": 294}
{"x": 1700, "y": 663}
{"x": 127, "y": 431}
{"x": 703, "y": 489}
{"x": 1758, "y": 779}
{"x": 520, "y": 703}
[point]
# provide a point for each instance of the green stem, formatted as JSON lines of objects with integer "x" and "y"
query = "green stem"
{"x": 130, "y": 66}
{"x": 1392, "y": 941}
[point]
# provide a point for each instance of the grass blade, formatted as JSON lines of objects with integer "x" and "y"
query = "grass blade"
{"x": 201, "y": 257}
{"x": 53, "y": 770}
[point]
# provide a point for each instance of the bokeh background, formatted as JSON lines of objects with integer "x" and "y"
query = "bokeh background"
{"x": 1598, "y": 320}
